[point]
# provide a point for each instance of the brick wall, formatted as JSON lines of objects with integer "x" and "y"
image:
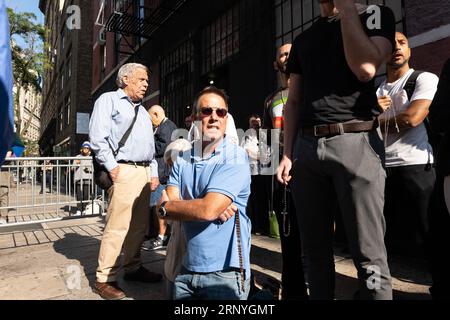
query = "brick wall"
{"x": 422, "y": 16}
{"x": 83, "y": 52}
{"x": 431, "y": 57}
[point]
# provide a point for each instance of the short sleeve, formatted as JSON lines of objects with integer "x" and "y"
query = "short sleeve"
{"x": 426, "y": 87}
{"x": 384, "y": 27}
{"x": 293, "y": 65}
{"x": 174, "y": 178}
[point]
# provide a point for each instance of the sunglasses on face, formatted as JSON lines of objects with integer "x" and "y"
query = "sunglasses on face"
{"x": 207, "y": 111}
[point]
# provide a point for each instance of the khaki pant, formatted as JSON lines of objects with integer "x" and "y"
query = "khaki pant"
{"x": 126, "y": 222}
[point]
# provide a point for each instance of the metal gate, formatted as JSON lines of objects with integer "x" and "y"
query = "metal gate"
{"x": 48, "y": 189}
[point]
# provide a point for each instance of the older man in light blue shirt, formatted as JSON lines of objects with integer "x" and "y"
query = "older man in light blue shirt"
{"x": 134, "y": 173}
{"x": 106, "y": 132}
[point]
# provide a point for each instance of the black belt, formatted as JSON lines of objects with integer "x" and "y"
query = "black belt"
{"x": 136, "y": 163}
{"x": 334, "y": 129}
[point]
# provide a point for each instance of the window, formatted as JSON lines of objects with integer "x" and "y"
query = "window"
{"x": 61, "y": 72}
{"x": 63, "y": 40}
{"x": 293, "y": 17}
{"x": 102, "y": 62}
{"x": 69, "y": 66}
{"x": 67, "y": 109}
{"x": 61, "y": 118}
{"x": 177, "y": 85}
{"x": 118, "y": 42}
{"x": 220, "y": 39}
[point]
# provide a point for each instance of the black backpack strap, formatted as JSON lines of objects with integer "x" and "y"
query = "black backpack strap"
{"x": 410, "y": 84}
{"x": 433, "y": 138}
{"x": 127, "y": 133}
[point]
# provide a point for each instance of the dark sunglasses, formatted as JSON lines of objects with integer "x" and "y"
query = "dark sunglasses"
{"x": 219, "y": 111}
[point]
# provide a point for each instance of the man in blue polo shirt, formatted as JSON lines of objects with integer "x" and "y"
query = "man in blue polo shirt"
{"x": 208, "y": 191}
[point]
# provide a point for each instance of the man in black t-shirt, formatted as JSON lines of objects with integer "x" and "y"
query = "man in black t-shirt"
{"x": 331, "y": 135}
{"x": 292, "y": 274}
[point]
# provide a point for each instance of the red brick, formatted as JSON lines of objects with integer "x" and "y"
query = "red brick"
{"x": 422, "y": 16}
{"x": 431, "y": 57}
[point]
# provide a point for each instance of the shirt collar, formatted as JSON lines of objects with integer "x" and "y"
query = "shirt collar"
{"x": 196, "y": 151}
{"x": 122, "y": 95}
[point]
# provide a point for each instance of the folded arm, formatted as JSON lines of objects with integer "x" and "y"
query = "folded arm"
{"x": 210, "y": 208}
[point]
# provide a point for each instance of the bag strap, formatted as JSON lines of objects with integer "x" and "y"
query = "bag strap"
{"x": 409, "y": 87}
{"x": 125, "y": 137}
{"x": 239, "y": 243}
{"x": 410, "y": 84}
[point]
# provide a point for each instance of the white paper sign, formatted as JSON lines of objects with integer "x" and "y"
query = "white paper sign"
{"x": 82, "y": 123}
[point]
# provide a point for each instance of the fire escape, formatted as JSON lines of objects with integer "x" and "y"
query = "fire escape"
{"x": 132, "y": 21}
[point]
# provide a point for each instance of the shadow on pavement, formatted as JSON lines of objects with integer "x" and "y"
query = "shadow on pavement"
{"x": 85, "y": 249}
{"x": 266, "y": 258}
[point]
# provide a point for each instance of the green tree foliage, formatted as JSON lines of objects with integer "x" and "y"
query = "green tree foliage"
{"x": 28, "y": 58}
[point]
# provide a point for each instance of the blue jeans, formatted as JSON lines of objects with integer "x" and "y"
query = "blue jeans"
{"x": 220, "y": 285}
{"x": 156, "y": 195}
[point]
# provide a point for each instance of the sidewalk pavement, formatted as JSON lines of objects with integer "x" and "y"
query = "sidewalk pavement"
{"x": 57, "y": 261}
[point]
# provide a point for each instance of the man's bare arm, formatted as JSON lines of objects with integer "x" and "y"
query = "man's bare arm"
{"x": 209, "y": 208}
{"x": 291, "y": 119}
{"x": 292, "y": 113}
{"x": 412, "y": 117}
{"x": 364, "y": 55}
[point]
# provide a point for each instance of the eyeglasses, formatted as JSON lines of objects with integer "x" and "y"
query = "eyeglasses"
{"x": 207, "y": 111}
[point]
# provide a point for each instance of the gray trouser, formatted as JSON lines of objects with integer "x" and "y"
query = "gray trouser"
{"x": 344, "y": 170}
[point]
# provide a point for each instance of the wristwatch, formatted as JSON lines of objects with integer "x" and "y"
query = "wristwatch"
{"x": 162, "y": 210}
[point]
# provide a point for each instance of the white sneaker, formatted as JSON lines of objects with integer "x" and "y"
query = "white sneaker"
{"x": 87, "y": 212}
{"x": 77, "y": 214}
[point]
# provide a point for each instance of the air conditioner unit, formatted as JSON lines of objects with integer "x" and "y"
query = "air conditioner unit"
{"x": 102, "y": 37}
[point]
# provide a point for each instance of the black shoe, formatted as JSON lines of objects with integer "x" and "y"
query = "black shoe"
{"x": 155, "y": 244}
{"x": 143, "y": 275}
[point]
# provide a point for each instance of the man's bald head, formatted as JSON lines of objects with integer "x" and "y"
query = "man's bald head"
{"x": 282, "y": 57}
{"x": 157, "y": 114}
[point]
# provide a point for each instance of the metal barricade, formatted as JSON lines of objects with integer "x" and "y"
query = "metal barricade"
{"x": 47, "y": 189}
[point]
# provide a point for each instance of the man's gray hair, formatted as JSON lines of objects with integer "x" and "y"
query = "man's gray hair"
{"x": 127, "y": 70}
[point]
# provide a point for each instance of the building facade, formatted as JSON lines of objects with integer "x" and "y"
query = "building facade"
{"x": 28, "y": 117}
{"x": 231, "y": 44}
{"x": 67, "y": 77}
{"x": 189, "y": 44}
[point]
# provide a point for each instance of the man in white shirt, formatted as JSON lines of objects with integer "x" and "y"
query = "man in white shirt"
{"x": 254, "y": 143}
{"x": 409, "y": 155}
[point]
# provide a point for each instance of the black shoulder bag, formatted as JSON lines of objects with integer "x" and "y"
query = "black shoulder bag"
{"x": 101, "y": 175}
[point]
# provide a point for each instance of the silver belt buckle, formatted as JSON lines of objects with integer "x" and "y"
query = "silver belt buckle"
{"x": 315, "y": 130}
